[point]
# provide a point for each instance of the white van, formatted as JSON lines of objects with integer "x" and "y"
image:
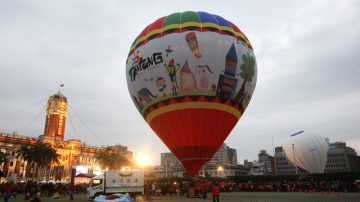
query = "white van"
{"x": 116, "y": 181}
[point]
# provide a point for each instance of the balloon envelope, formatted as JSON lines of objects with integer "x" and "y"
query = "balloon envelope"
{"x": 307, "y": 151}
{"x": 191, "y": 75}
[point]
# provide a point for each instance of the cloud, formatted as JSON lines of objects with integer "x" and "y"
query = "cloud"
{"x": 306, "y": 55}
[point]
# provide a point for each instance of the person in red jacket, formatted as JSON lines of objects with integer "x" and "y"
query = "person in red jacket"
{"x": 216, "y": 192}
{"x": 6, "y": 192}
{"x": 71, "y": 191}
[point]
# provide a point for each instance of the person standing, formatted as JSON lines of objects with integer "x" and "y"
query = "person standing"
{"x": 71, "y": 191}
{"x": 147, "y": 190}
{"x": 204, "y": 189}
{"x": 6, "y": 192}
{"x": 216, "y": 192}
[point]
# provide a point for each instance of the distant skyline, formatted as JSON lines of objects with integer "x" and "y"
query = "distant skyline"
{"x": 306, "y": 52}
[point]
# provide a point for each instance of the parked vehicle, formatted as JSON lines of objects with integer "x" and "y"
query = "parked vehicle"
{"x": 117, "y": 181}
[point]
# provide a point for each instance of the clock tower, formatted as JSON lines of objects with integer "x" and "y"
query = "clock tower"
{"x": 56, "y": 116}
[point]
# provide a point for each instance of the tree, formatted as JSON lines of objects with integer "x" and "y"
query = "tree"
{"x": 247, "y": 73}
{"x": 40, "y": 153}
{"x": 111, "y": 160}
{"x": 44, "y": 154}
{"x": 26, "y": 153}
{"x": 3, "y": 159}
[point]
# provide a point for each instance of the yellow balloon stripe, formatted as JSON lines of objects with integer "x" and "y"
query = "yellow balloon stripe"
{"x": 189, "y": 24}
{"x": 193, "y": 105}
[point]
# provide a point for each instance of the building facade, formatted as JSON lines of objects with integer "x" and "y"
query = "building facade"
{"x": 222, "y": 164}
{"x": 56, "y": 113}
{"x": 341, "y": 158}
{"x": 72, "y": 153}
{"x": 265, "y": 162}
{"x": 282, "y": 164}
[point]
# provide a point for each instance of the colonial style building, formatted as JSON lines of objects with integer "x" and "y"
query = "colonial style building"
{"x": 71, "y": 152}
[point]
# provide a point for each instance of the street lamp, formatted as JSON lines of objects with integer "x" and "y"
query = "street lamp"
{"x": 220, "y": 168}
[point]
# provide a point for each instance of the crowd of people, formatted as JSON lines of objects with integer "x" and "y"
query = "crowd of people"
{"x": 201, "y": 188}
{"x": 33, "y": 191}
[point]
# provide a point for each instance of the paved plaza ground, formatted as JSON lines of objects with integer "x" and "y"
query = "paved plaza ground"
{"x": 234, "y": 197}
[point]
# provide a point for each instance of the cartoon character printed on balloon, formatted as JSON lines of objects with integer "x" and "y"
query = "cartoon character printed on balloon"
{"x": 137, "y": 56}
{"x": 193, "y": 44}
{"x": 202, "y": 72}
{"x": 171, "y": 68}
{"x": 160, "y": 83}
{"x": 186, "y": 101}
{"x": 144, "y": 94}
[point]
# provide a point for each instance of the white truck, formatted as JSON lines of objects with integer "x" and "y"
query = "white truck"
{"x": 116, "y": 181}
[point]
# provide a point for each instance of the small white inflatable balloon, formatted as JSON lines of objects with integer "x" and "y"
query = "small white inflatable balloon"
{"x": 307, "y": 151}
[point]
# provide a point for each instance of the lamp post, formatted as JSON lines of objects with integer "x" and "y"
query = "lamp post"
{"x": 296, "y": 170}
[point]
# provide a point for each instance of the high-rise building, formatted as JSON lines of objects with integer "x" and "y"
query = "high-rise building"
{"x": 220, "y": 157}
{"x": 171, "y": 165}
{"x": 264, "y": 162}
{"x": 225, "y": 157}
{"x": 56, "y": 116}
{"x": 341, "y": 158}
{"x": 232, "y": 156}
{"x": 282, "y": 164}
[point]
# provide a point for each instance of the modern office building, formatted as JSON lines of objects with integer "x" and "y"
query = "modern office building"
{"x": 341, "y": 158}
{"x": 232, "y": 156}
{"x": 282, "y": 164}
{"x": 222, "y": 164}
{"x": 265, "y": 162}
{"x": 171, "y": 165}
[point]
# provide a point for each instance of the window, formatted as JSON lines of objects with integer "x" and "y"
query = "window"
{"x": 96, "y": 182}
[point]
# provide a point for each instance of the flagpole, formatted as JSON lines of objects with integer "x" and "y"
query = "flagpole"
{"x": 60, "y": 86}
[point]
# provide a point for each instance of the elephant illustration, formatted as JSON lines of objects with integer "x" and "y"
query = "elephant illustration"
{"x": 144, "y": 94}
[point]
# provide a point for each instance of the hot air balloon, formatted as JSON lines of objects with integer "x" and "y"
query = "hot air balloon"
{"x": 191, "y": 76}
{"x": 307, "y": 151}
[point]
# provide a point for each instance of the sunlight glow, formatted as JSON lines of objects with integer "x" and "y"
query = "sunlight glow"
{"x": 142, "y": 159}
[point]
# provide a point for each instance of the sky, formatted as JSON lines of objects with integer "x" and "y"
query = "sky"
{"x": 307, "y": 55}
